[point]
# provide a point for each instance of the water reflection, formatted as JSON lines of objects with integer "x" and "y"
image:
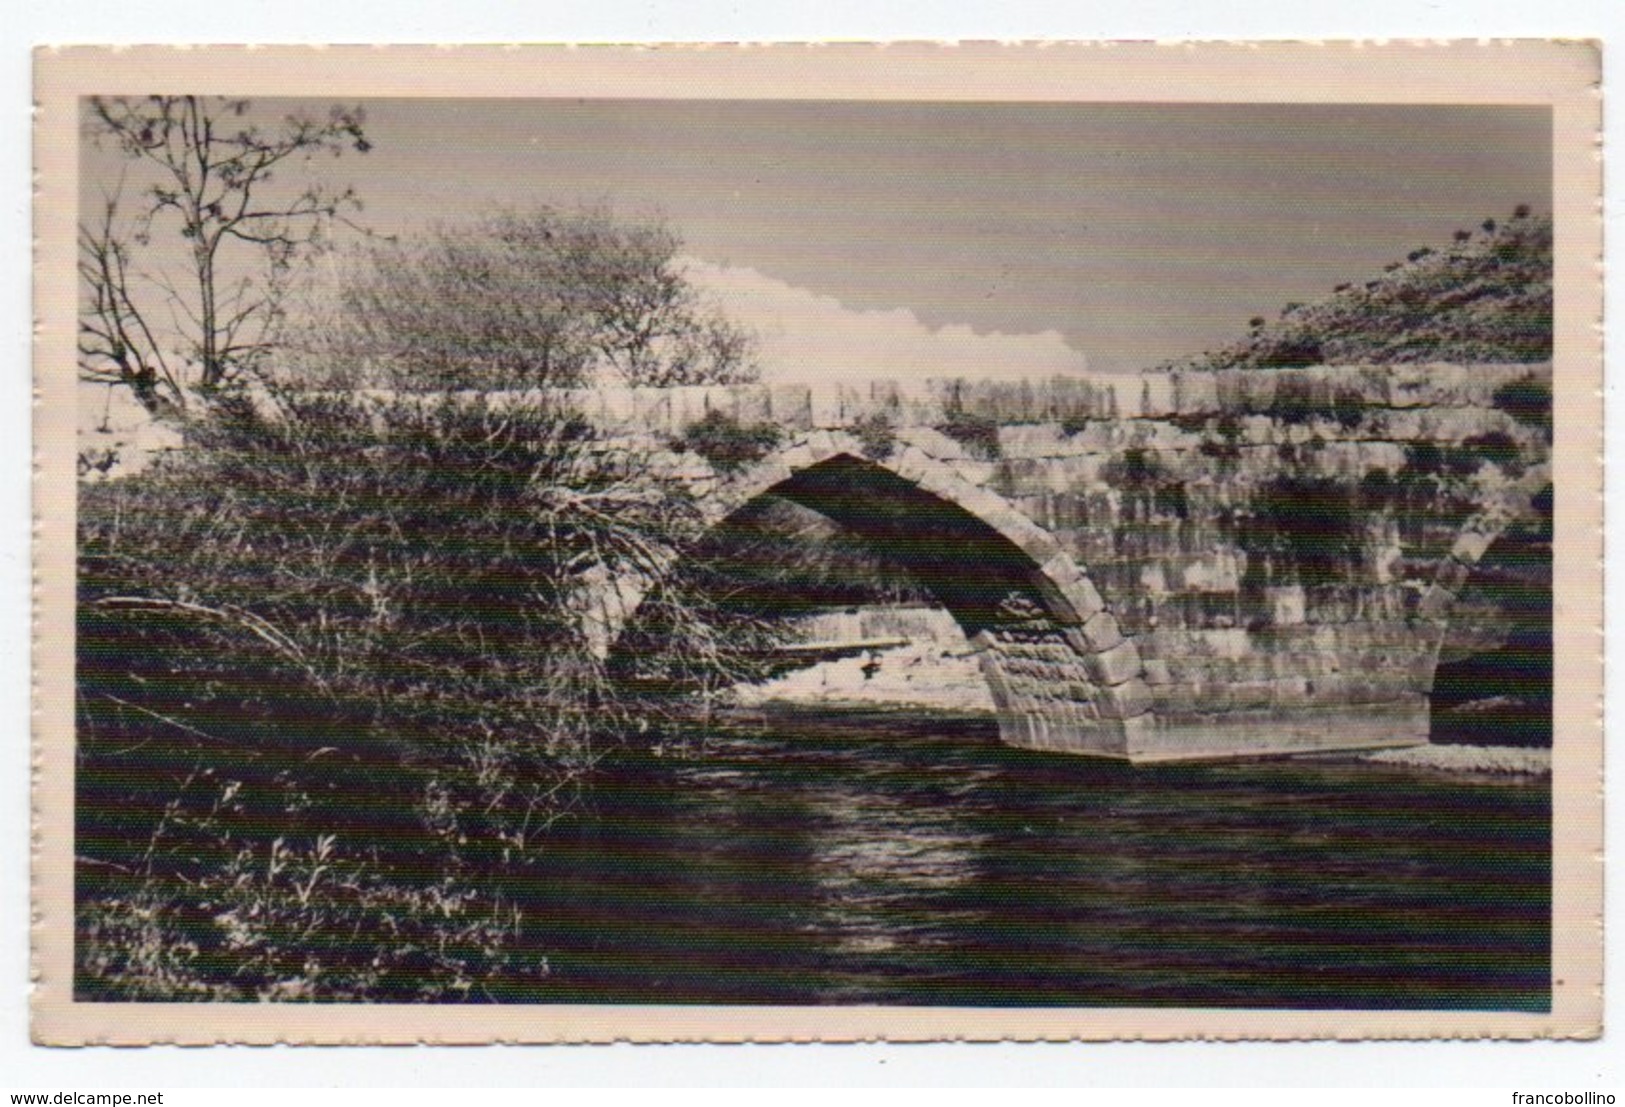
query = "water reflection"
{"x": 880, "y": 858}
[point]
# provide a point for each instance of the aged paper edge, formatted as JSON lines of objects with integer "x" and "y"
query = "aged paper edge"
{"x": 1563, "y": 75}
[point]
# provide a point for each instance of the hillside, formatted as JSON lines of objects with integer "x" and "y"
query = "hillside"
{"x": 1485, "y": 297}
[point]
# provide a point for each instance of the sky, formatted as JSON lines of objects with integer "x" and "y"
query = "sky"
{"x": 973, "y": 239}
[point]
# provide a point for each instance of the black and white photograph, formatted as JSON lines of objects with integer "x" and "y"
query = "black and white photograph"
{"x": 824, "y": 551}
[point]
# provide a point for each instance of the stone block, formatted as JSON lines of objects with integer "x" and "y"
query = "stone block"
{"x": 1125, "y": 701}
{"x": 822, "y": 443}
{"x": 791, "y": 406}
{"x": 770, "y": 473}
{"x": 615, "y": 405}
{"x": 1327, "y": 690}
{"x": 933, "y": 442}
{"x": 1252, "y": 694}
{"x": 1156, "y": 399}
{"x": 799, "y": 456}
{"x": 825, "y": 406}
{"x": 911, "y": 463}
{"x": 652, "y": 410}
{"x": 1061, "y": 569}
{"x": 1030, "y": 440}
{"x": 751, "y": 403}
{"x": 1286, "y": 603}
{"x": 1452, "y": 574}
{"x": 1291, "y": 692}
{"x": 1101, "y": 632}
{"x": 1157, "y": 673}
{"x": 1139, "y": 735}
{"x": 1082, "y": 596}
{"x": 974, "y": 472}
{"x": 1435, "y": 604}
{"x": 1115, "y": 666}
{"x": 1196, "y": 393}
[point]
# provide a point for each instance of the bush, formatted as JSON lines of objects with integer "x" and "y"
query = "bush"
{"x": 336, "y": 680}
{"x": 1378, "y": 491}
{"x": 979, "y": 434}
{"x": 1074, "y": 423}
{"x": 1305, "y": 528}
{"x": 1224, "y": 444}
{"x": 1496, "y": 448}
{"x": 1527, "y": 400}
{"x": 728, "y": 444}
{"x": 876, "y": 434}
{"x": 1141, "y": 473}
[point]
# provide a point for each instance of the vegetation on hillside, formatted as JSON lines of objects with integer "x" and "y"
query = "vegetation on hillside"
{"x": 1487, "y": 296}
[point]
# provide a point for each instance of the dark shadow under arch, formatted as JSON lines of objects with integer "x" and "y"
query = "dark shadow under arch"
{"x": 957, "y": 558}
{"x": 1501, "y": 695}
{"x": 981, "y": 577}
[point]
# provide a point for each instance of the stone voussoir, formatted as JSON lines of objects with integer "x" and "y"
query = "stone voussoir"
{"x": 1101, "y": 632}
{"x": 1083, "y": 598}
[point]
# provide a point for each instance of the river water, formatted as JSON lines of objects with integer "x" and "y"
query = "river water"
{"x": 892, "y": 858}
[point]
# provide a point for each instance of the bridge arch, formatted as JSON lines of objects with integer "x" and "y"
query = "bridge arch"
{"x": 1525, "y": 500}
{"x": 1061, "y": 673}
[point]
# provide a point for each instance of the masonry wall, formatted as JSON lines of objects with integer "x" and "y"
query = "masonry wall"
{"x": 1279, "y": 548}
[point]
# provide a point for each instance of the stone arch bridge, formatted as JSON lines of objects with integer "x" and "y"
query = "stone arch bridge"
{"x": 1173, "y": 566}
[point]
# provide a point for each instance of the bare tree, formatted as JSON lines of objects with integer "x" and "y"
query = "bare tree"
{"x": 211, "y": 165}
{"x": 114, "y": 339}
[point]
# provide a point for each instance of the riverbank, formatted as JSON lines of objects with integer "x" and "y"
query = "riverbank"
{"x": 852, "y": 702}
{"x": 1500, "y": 760}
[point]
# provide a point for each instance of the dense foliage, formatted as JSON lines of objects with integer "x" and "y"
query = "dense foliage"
{"x": 541, "y": 298}
{"x": 337, "y": 677}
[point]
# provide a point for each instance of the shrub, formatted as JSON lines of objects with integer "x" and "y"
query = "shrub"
{"x": 728, "y": 444}
{"x": 1498, "y": 449}
{"x": 336, "y": 681}
{"x": 1293, "y": 352}
{"x": 1423, "y": 459}
{"x": 1308, "y": 528}
{"x": 1295, "y": 404}
{"x": 1075, "y": 422}
{"x": 877, "y": 435}
{"x": 979, "y": 434}
{"x": 1527, "y": 400}
{"x": 1140, "y": 472}
{"x": 1220, "y": 449}
{"x": 1377, "y": 490}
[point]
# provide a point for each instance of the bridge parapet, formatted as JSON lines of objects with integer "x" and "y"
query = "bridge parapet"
{"x": 1296, "y": 394}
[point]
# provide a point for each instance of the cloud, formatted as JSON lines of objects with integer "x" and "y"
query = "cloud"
{"x": 807, "y": 338}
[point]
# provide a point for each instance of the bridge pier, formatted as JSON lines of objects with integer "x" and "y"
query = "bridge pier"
{"x": 1052, "y": 695}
